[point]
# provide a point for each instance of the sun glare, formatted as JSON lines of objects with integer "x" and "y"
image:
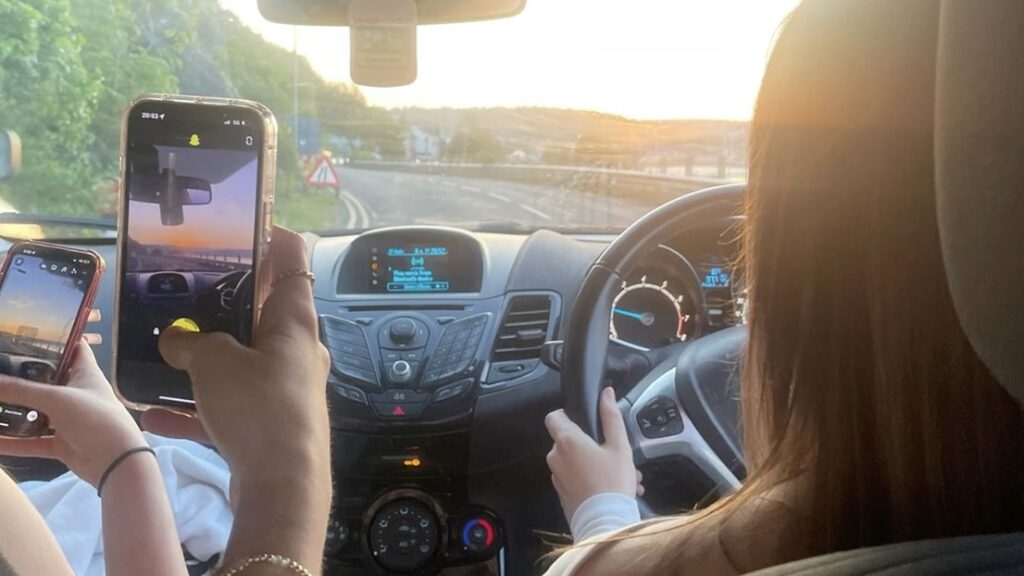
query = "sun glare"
{"x": 642, "y": 59}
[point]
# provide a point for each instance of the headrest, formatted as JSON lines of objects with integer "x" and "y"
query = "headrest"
{"x": 980, "y": 176}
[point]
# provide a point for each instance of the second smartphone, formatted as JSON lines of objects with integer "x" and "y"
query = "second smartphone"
{"x": 45, "y": 294}
{"x": 194, "y": 223}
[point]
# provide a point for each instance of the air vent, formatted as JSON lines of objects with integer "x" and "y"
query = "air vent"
{"x": 523, "y": 329}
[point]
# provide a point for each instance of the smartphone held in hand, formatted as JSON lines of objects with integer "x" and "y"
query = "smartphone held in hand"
{"x": 45, "y": 295}
{"x": 195, "y": 221}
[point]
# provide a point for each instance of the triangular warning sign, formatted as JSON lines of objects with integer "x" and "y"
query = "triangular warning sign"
{"x": 398, "y": 411}
{"x": 323, "y": 174}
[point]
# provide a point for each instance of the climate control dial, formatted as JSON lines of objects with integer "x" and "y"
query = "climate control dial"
{"x": 405, "y": 535}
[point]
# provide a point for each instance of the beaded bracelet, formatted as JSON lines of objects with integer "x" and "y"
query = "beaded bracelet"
{"x": 273, "y": 559}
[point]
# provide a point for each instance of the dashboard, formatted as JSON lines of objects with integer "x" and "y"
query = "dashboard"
{"x": 437, "y": 392}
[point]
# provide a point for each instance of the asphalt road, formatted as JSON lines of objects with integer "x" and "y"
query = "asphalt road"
{"x": 372, "y": 198}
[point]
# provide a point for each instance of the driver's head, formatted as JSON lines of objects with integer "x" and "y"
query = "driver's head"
{"x": 859, "y": 381}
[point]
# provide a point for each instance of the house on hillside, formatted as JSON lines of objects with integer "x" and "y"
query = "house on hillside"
{"x": 423, "y": 144}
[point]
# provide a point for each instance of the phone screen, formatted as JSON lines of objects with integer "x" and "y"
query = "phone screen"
{"x": 192, "y": 195}
{"x": 44, "y": 290}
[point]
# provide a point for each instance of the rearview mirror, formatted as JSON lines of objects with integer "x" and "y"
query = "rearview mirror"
{"x": 171, "y": 192}
{"x": 336, "y": 12}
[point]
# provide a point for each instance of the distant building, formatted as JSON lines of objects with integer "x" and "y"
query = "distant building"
{"x": 423, "y": 145}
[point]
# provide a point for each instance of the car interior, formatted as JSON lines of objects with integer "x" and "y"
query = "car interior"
{"x": 439, "y": 385}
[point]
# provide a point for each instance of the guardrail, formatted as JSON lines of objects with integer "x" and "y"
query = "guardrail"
{"x": 635, "y": 185}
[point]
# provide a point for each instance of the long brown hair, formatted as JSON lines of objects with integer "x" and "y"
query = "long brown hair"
{"x": 858, "y": 377}
{"x": 861, "y": 395}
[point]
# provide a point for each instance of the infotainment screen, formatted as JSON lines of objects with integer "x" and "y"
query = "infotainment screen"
{"x": 409, "y": 268}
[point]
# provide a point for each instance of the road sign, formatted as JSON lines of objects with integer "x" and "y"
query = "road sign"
{"x": 323, "y": 174}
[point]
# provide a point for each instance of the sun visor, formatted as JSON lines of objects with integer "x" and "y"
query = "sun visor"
{"x": 980, "y": 176}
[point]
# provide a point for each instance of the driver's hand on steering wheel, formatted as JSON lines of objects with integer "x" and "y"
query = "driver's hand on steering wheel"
{"x": 581, "y": 468}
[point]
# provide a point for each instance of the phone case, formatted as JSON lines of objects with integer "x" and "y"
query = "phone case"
{"x": 264, "y": 212}
{"x": 80, "y": 320}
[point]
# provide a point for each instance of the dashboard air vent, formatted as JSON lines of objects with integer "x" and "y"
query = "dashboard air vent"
{"x": 524, "y": 328}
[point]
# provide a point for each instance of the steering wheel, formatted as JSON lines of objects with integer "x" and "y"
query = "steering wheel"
{"x": 697, "y": 378}
{"x": 242, "y": 315}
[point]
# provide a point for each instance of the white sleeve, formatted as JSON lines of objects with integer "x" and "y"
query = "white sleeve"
{"x": 599, "y": 514}
{"x": 603, "y": 513}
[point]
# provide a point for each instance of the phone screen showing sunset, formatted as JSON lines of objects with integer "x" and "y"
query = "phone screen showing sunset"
{"x": 192, "y": 193}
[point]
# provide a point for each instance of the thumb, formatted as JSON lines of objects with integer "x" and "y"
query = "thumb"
{"x": 189, "y": 351}
{"x": 612, "y": 425}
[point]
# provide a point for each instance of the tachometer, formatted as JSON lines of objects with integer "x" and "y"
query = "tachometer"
{"x": 650, "y": 314}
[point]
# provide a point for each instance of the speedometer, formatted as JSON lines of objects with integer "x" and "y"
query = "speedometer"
{"x": 650, "y": 314}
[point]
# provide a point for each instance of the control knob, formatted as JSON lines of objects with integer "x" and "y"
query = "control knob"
{"x": 400, "y": 372}
{"x": 402, "y": 331}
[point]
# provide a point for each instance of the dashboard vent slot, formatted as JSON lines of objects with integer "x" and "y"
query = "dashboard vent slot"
{"x": 524, "y": 329}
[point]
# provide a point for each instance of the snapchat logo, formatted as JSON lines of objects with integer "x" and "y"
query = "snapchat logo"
{"x": 194, "y": 140}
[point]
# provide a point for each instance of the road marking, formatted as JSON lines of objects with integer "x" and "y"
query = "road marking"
{"x": 533, "y": 210}
{"x": 497, "y": 196}
{"x": 470, "y": 188}
{"x": 449, "y": 184}
{"x": 350, "y": 209}
{"x": 359, "y": 217}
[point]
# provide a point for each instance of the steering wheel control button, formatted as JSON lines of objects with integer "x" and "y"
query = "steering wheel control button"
{"x": 659, "y": 418}
{"x": 454, "y": 390}
{"x": 404, "y": 536}
{"x": 478, "y": 535}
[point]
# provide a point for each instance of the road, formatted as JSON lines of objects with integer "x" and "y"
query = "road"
{"x": 372, "y": 198}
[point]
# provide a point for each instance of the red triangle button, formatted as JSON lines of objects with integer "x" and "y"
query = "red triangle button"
{"x": 398, "y": 411}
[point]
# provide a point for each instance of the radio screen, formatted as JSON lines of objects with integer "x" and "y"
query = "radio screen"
{"x": 409, "y": 268}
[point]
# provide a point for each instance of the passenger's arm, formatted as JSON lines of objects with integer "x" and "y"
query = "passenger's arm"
{"x": 26, "y": 543}
{"x": 92, "y": 429}
{"x": 265, "y": 410}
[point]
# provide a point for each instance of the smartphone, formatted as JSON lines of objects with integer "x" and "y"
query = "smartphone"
{"x": 195, "y": 222}
{"x": 45, "y": 295}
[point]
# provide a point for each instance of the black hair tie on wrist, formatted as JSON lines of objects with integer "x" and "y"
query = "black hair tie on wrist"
{"x": 117, "y": 462}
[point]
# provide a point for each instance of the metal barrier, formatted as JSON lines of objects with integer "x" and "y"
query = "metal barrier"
{"x": 634, "y": 185}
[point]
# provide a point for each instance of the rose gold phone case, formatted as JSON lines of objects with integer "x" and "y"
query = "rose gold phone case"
{"x": 81, "y": 317}
{"x": 264, "y": 211}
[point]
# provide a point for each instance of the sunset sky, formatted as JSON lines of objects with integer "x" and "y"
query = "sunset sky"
{"x": 226, "y": 222}
{"x": 44, "y": 300}
{"x": 638, "y": 58}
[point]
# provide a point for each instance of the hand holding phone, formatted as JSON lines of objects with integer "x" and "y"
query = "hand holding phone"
{"x": 195, "y": 219}
{"x": 45, "y": 295}
{"x": 91, "y": 426}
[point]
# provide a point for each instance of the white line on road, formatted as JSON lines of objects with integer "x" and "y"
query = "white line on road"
{"x": 449, "y": 184}
{"x": 359, "y": 218}
{"x": 533, "y": 210}
{"x": 497, "y": 196}
{"x": 470, "y": 188}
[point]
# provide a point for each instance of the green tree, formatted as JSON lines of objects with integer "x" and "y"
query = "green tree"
{"x": 48, "y": 96}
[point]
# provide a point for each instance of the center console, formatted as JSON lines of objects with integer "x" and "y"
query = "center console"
{"x": 411, "y": 328}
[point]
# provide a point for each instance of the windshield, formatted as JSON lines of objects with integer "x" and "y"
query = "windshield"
{"x": 575, "y": 115}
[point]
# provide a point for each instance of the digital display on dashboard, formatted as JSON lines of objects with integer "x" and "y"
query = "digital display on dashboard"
{"x": 409, "y": 268}
{"x": 715, "y": 276}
